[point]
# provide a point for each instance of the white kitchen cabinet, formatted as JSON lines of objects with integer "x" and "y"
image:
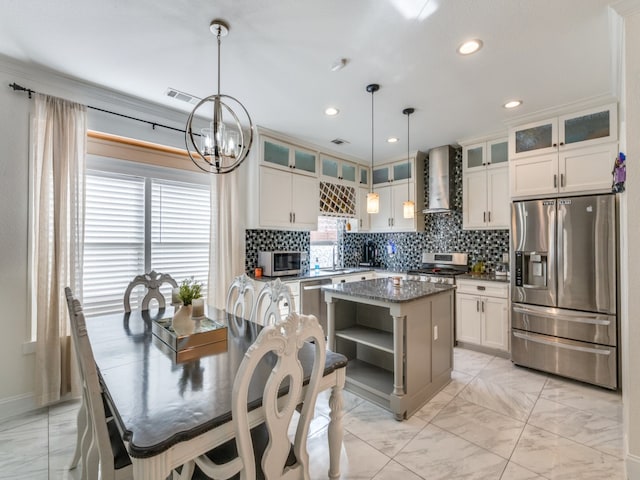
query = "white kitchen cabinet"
{"x": 482, "y": 313}
{"x": 362, "y": 217}
{"x": 397, "y": 182}
{"x": 288, "y": 200}
{"x": 577, "y": 170}
{"x": 485, "y": 189}
{"x": 286, "y": 156}
{"x": 572, "y": 153}
{"x": 337, "y": 170}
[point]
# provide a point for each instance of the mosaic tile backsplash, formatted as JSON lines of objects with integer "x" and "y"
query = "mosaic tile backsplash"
{"x": 275, "y": 240}
{"x": 443, "y": 233}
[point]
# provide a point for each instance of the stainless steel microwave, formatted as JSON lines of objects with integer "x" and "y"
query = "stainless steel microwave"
{"x": 278, "y": 264}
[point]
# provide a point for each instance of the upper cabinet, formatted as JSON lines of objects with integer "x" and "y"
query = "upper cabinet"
{"x": 278, "y": 154}
{"x": 485, "y": 190}
{"x": 571, "y": 153}
{"x": 397, "y": 182}
{"x": 337, "y": 170}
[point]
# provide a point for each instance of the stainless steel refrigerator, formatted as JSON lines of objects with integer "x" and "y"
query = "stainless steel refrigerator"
{"x": 563, "y": 280}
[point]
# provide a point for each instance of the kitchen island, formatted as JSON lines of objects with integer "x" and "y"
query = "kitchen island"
{"x": 398, "y": 339}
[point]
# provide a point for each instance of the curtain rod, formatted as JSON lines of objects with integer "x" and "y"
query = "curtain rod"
{"x": 20, "y": 88}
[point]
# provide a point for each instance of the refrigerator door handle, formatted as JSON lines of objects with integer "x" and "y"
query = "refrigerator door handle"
{"x": 568, "y": 318}
{"x": 524, "y": 336}
{"x": 555, "y": 181}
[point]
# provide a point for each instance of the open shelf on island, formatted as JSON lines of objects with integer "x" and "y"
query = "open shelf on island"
{"x": 370, "y": 378}
{"x": 371, "y": 337}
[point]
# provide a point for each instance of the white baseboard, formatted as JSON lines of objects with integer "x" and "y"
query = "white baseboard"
{"x": 633, "y": 467}
{"x": 13, "y": 406}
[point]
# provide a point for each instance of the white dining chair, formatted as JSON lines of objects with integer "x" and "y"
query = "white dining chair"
{"x": 240, "y": 302}
{"x": 271, "y": 298}
{"x": 152, "y": 281}
{"x": 103, "y": 452}
{"x": 266, "y": 451}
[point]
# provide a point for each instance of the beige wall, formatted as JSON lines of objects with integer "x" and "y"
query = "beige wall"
{"x": 630, "y": 257}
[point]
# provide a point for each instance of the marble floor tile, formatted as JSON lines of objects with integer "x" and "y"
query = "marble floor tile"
{"x": 358, "y": 459}
{"x": 13, "y": 422}
{"x": 24, "y": 467}
{"x": 502, "y": 399}
{"x": 379, "y": 428}
{"x": 584, "y": 397}
{"x": 591, "y": 429}
{"x": 433, "y": 406}
{"x": 436, "y": 454}
{"x": 502, "y": 371}
{"x": 486, "y": 428}
{"x": 350, "y": 401}
{"x": 459, "y": 380}
{"x": 556, "y": 457}
{"x": 516, "y": 472}
{"x": 394, "y": 471}
{"x": 470, "y": 362}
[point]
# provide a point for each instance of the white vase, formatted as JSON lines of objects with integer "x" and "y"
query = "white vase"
{"x": 182, "y": 322}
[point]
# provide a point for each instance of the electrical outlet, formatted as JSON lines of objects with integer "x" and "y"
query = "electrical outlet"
{"x": 435, "y": 332}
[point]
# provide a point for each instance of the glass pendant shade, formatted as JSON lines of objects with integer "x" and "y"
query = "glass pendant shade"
{"x": 408, "y": 209}
{"x": 373, "y": 202}
{"x": 225, "y": 142}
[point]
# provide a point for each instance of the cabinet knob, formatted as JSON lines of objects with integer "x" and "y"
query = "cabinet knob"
{"x": 561, "y": 144}
{"x": 555, "y": 145}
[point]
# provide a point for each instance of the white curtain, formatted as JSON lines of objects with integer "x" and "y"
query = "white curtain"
{"x": 227, "y": 250}
{"x": 59, "y": 133}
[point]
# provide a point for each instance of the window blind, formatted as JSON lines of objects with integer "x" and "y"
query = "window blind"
{"x": 121, "y": 241}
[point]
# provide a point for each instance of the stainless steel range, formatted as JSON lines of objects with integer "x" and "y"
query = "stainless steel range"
{"x": 440, "y": 267}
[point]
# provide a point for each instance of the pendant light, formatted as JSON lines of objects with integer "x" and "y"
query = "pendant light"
{"x": 408, "y": 207}
{"x": 373, "y": 199}
{"x": 225, "y": 143}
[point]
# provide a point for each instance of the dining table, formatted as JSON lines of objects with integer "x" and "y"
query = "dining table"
{"x": 171, "y": 408}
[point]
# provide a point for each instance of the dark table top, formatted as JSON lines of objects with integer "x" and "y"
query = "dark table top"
{"x": 161, "y": 402}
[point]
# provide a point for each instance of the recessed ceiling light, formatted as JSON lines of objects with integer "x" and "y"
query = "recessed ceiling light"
{"x": 392, "y": 140}
{"x": 469, "y": 47}
{"x": 512, "y": 104}
{"x": 331, "y": 111}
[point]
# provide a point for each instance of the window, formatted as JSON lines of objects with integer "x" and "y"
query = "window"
{"x": 324, "y": 242}
{"x": 141, "y": 218}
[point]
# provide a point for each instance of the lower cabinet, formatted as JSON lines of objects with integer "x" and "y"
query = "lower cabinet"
{"x": 482, "y": 314}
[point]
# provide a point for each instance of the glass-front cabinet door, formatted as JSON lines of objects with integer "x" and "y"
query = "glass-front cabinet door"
{"x": 381, "y": 175}
{"x": 275, "y": 153}
{"x": 592, "y": 126}
{"x": 304, "y": 160}
{"x": 329, "y": 167}
{"x": 364, "y": 175}
{"x": 497, "y": 152}
{"x": 473, "y": 157}
{"x": 535, "y": 138}
{"x": 402, "y": 170}
{"x": 349, "y": 172}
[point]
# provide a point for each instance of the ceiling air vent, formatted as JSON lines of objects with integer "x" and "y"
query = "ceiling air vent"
{"x": 183, "y": 97}
{"x": 338, "y": 141}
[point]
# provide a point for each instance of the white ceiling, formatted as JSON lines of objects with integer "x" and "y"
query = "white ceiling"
{"x": 276, "y": 59}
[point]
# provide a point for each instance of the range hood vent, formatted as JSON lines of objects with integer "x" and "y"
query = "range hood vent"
{"x": 441, "y": 163}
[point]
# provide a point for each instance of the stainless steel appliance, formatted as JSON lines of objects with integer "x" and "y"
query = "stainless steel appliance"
{"x": 441, "y": 178}
{"x": 278, "y": 264}
{"x": 440, "y": 267}
{"x": 312, "y": 300}
{"x": 563, "y": 279}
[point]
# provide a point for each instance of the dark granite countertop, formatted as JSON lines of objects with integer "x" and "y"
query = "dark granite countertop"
{"x": 322, "y": 273}
{"x": 491, "y": 277}
{"x": 382, "y": 289}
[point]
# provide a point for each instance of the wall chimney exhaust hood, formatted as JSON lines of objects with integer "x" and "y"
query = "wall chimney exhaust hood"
{"x": 441, "y": 163}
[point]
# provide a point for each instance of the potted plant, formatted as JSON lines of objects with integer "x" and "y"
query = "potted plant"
{"x": 188, "y": 291}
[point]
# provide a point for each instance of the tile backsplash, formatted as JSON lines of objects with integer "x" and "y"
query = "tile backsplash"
{"x": 274, "y": 240}
{"x": 443, "y": 233}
